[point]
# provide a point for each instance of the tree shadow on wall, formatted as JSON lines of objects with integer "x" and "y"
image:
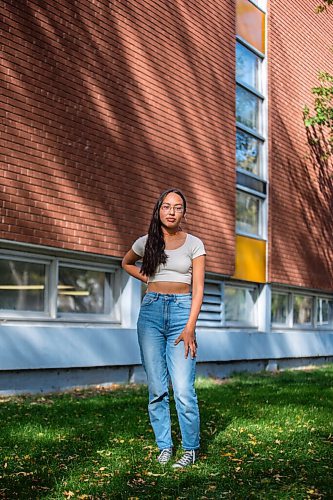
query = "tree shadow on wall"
{"x": 320, "y": 167}
{"x": 107, "y": 107}
{"x": 302, "y": 216}
{"x": 322, "y": 155}
{"x": 315, "y": 235}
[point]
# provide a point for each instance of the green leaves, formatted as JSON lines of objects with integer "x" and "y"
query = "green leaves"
{"x": 323, "y": 105}
{"x": 319, "y": 125}
{"x": 323, "y": 6}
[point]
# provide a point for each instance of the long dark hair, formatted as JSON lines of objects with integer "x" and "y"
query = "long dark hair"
{"x": 154, "y": 251}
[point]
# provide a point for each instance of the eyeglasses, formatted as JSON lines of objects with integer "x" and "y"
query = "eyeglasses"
{"x": 165, "y": 207}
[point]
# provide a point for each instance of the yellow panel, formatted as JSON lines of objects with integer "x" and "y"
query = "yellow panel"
{"x": 250, "y": 24}
{"x": 250, "y": 259}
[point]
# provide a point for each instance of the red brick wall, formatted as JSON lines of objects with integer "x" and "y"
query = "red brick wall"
{"x": 301, "y": 189}
{"x": 108, "y": 103}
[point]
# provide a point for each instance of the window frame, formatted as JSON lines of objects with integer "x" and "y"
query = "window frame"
{"x": 222, "y": 323}
{"x": 253, "y": 51}
{"x": 289, "y": 319}
{"x": 261, "y": 143}
{"x": 323, "y": 326}
{"x": 33, "y": 259}
{"x": 52, "y": 265}
{"x": 251, "y": 91}
{"x": 261, "y": 94}
{"x": 303, "y": 326}
{"x": 108, "y": 292}
{"x": 291, "y": 325}
{"x": 254, "y": 312}
{"x": 260, "y": 135}
{"x": 261, "y": 223}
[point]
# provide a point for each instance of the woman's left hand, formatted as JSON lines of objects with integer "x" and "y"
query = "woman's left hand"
{"x": 190, "y": 343}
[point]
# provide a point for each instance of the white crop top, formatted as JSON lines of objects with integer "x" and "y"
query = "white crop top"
{"x": 178, "y": 267}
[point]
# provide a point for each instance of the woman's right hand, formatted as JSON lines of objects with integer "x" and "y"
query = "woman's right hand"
{"x": 190, "y": 344}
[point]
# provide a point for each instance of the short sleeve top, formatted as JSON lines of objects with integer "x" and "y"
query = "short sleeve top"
{"x": 178, "y": 267}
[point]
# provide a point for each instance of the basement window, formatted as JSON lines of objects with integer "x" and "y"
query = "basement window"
{"x": 54, "y": 288}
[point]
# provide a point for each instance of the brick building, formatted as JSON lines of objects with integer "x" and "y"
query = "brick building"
{"x": 107, "y": 103}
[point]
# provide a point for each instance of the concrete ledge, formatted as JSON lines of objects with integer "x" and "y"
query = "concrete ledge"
{"x": 16, "y": 382}
{"x": 56, "y": 346}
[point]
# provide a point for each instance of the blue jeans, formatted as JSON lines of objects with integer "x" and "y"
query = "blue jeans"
{"x": 161, "y": 320}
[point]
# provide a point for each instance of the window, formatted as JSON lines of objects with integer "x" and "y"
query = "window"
{"x": 247, "y": 109}
{"x": 324, "y": 308}
{"x": 248, "y": 66}
{"x": 292, "y": 309}
{"x": 51, "y": 288}
{"x": 248, "y": 152}
{"x": 82, "y": 291}
{"x": 250, "y": 118}
{"x": 248, "y": 210}
{"x": 302, "y": 310}
{"x": 227, "y": 305}
{"x": 240, "y": 304}
{"x": 280, "y": 308}
{"x": 22, "y": 285}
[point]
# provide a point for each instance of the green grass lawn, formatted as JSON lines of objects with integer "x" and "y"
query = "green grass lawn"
{"x": 263, "y": 437}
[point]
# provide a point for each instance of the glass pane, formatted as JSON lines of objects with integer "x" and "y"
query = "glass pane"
{"x": 250, "y": 24}
{"x": 22, "y": 285}
{"x": 239, "y": 304}
{"x": 247, "y": 213}
{"x": 247, "y": 152}
{"x": 324, "y": 311}
{"x": 247, "y": 66}
{"x": 247, "y": 108}
{"x": 245, "y": 180}
{"x": 279, "y": 311}
{"x": 302, "y": 310}
{"x": 81, "y": 291}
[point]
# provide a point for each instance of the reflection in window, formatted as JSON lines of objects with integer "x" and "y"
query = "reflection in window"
{"x": 22, "y": 285}
{"x": 279, "y": 310}
{"x": 239, "y": 304}
{"x": 247, "y": 66}
{"x": 247, "y": 108}
{"x": 302, "y": 310}
{"x": 81, "y": 291}
{"x": 247, "y": 152}
{"x": 247, "y": 213}
{"x": 324, "y": 311}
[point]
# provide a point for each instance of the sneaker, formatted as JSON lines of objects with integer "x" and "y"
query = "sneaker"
{"x": 187, "y": 459}
{"x": 165, "y": 455}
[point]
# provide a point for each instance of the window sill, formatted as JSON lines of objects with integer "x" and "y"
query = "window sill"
{"x": 34, "y": 321}
{"x": 312, "y": 330}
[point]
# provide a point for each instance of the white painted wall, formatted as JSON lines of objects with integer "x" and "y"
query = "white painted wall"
{"x": 57, "y": 346}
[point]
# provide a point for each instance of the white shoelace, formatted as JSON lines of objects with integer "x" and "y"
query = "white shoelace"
{"x": 164, "y": 456}
{"x": 187, "y": 459}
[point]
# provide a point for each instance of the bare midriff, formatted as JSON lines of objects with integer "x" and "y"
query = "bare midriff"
{"x": 168, "y": 287}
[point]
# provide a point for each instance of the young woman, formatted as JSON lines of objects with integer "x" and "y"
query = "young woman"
{"x": 173, "y": 264}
